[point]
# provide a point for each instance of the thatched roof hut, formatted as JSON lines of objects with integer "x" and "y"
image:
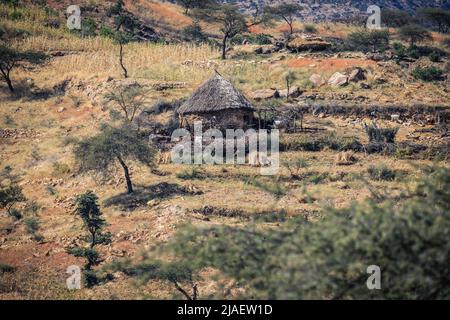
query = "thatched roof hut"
{"x": 218, "y": 103}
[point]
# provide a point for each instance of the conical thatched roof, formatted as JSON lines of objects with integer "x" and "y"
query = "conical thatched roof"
{"x": 214, "y": 95}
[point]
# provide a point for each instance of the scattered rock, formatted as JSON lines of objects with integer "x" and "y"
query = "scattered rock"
{"x": 263, "y": 50}
{"x": 338, "y": 80}
{"x": 317, "y": 80}
{"x": 118, "y": 252}
{"x": 356, "y": 75}
{"x": 18, "y": 133}
{"x": 365, "y": 86}
{"x": 153, "y": 203}
{"x": 294, "y": 92}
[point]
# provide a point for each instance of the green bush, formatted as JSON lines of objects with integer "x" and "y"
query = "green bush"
{"x": 89, "y": 211}
{"x": 88, "y": 27}
{"x": 427, "y": 73}
{"x": 106, "y": 32}
{"x": 32, "y": 227}
{"x": 310, "y": 28}
{"x": 399, "y": 49}
{"x": 369, "y": 40}
{"x": 194, "y": 33}
{"x": 60, "y": 169}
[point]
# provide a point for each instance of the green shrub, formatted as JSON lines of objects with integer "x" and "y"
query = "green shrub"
{"x": 16, "y": 15}
{"x": 8, "y": 120}
{"x": 427, "y": 73}
{"x": 380, "y": 135}
{"x": 295, "y": 166}
{"x": 399, "y": 49}
{"x": 32, "y": 227}
{"x": 310, "y": 28}
{"x": 9, "y": 197}
{"x": 106, "y": 32}
{"x": 414, "y": 53}
{"x": 434, "y": 56}
{"x": 88, "y": 27}
{"x": 446, "y": 42}
{"x": 381, "y": 173}
{"x": 327, "y": 141}
{"x": 16, "y": 214}
{"x": 369, "y": 40}
{"x": 194, "y": 33}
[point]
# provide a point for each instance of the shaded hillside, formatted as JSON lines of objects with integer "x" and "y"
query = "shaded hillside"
{"x": 341, "y": 9}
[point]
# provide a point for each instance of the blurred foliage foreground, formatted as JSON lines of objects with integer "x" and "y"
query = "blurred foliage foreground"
{"x": 406, "y": 237}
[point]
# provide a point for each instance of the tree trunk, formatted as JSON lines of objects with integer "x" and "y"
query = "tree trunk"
{"x": 127, "y": 175}
{"x": 179, "y": 288}
{"x": 288, "y": 90}
{"x": 224, "y": 47}
{"x": 125, "y": 72}
{"x": 9, "y": 83}
{"x": 291, "y": 27}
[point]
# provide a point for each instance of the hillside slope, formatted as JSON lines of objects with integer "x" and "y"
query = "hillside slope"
{"x": 340, "y": 9}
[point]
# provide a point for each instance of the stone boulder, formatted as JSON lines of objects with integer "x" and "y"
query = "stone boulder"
{"x": 265, "y": 94}
{"x": 308, "y": 44}
{"x": 317, "y": 80}
{"x": 357, "y": 74}
{"x": 294, "y": 92}
{"x": 264, "y": 50}
{"x": 338, "y": 80}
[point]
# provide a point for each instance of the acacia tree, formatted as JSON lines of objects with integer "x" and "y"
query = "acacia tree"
{"x": 396, "y": 18}
{"x": 286, "y": 12}
{"x": 376, "y": 40}
{"x": 9, "y": 197}
{"x": 11, "y": 58}
{"x": 413, "y": 33}
{"x": 114, "y": 146}
{"x": 10, "y": 192}
{"x": 194, "y": 4}
{"x": 89, "y": 211}
{"x": 231, "y": 20}
{"x": 438, "y": 17}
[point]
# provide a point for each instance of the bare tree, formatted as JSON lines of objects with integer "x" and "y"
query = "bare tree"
{"x": 129, "y": 100}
